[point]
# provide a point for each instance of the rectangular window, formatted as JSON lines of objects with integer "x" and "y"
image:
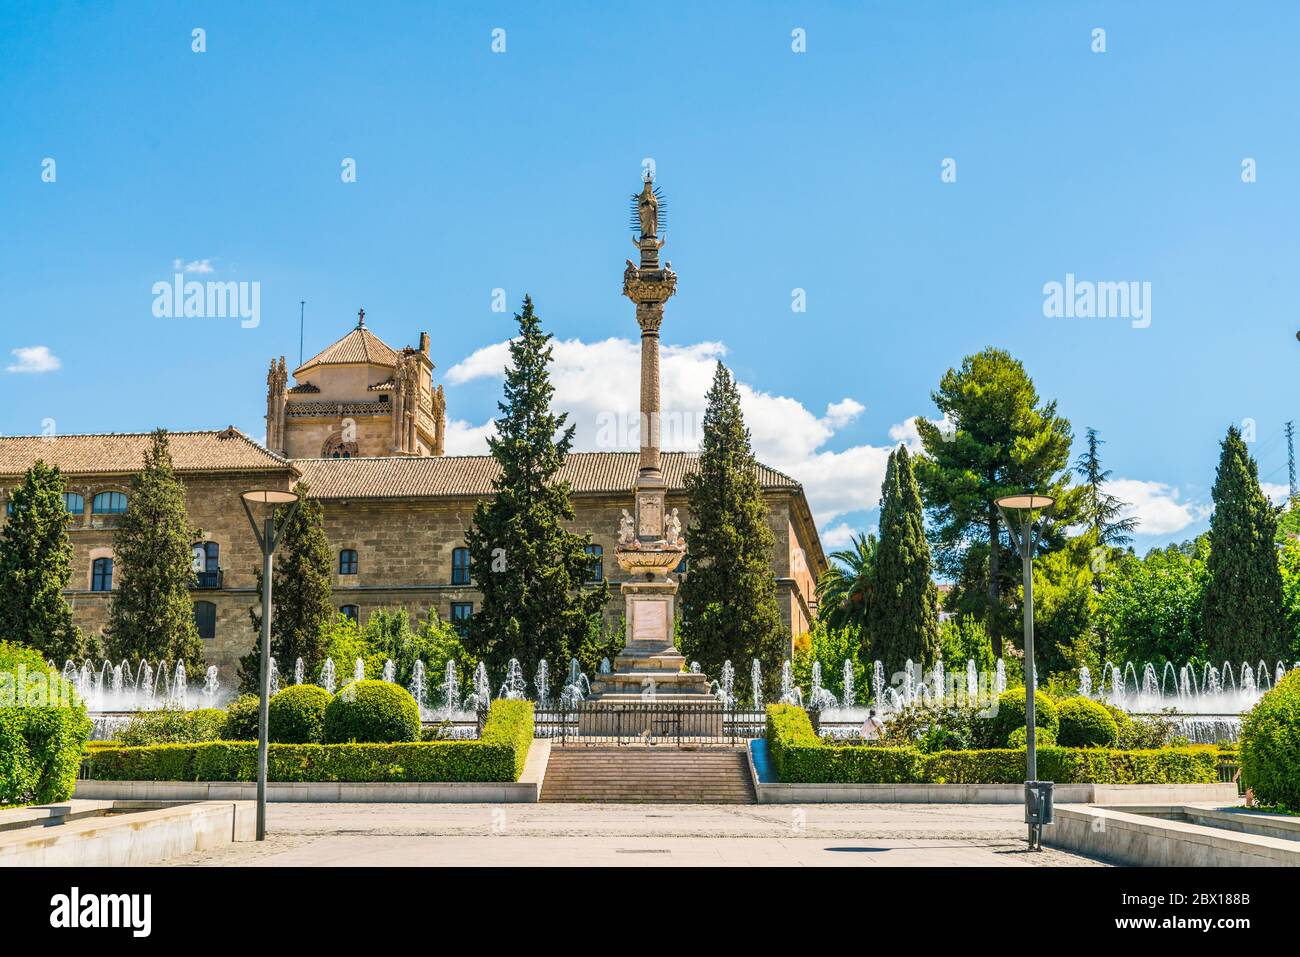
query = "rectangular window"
{"x": 459, "y": 566}
{"x": 461, "y": 612}
{"x": 596, "y": 570}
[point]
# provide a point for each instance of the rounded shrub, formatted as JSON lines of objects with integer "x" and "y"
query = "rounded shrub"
{"x": 241, "y": 719}
{"x": 1085, "y": 723}
{"x": 1043, "y": 737}
{"x": 1011, "y": 713}
{"x": 377, "y": 712}
{"x": 1270, "y": 745}
{"x": 297, "y": 715}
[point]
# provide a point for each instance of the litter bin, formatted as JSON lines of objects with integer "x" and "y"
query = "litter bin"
{"x": 1038, "y": 810}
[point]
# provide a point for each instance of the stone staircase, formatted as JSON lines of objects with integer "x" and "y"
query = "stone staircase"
{"x": 660, "y": 774}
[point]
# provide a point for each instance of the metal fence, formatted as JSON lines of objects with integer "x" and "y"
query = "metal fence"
{"x": 617, "y": 723}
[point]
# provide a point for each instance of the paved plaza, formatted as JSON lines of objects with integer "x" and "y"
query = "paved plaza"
{"x": 639, "y": 835}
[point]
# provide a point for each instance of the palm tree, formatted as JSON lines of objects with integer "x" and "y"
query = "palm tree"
{"x": 842, "y": 590}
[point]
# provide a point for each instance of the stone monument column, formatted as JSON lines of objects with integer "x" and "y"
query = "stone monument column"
{"x": 650, "y": 542}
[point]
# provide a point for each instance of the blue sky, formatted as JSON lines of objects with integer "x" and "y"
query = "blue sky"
{"x": 818, "y": 171}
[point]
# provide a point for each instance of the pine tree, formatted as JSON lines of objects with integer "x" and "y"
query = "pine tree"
{"x": 1002, "y": 441}
{"x": 902, "y": 616}
{"x": 530, "y": 569}
{"x": 728, "y": 598}
{"x": 300, "y": 595}
{"x": 35, "y": 568}
{"x": 1244, "y": 616}
{"x": 152, "y": 614}
{"x": 1100, "y": 510}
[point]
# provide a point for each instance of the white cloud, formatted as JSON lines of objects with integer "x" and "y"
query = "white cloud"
{"x": 1277, "y": 494}
{"x": 34, "y": 359}
{"x": 841, "y": 413}
{"x": 598, "y": 384}
{"x": 1157, "y": 507}
{"x": 838, "y": 537}
{"x": 195, "y": 265}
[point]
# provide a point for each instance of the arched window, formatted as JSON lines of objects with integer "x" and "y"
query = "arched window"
{"x": 348, "y": 561}
{"x": 351, "y": 612}
{"x": 596, "y": 570}
{"x": 206, "y": 563}
{"x": 205, "y": 619}
{"x": 108, "y": 503}
{"x": 101, "y": 574}
{"x": 74, "y": 503}
{"x": 460, "y": 566}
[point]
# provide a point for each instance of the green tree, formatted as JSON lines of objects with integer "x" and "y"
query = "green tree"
{"x": 1103, "y": 515}
{"x": 729, "y": 607}
{"x": 843, "y": 589}
{"x": 1065, "y": 608}
{"x": 1289, "y": 566}
{"x": 36, "y": 566}
{"x": 530, "y": 569}
{"x": 1152, "y": 607}
{"x": 152, "y": 614}
{"x": 301, "y": 592}
{"x": 1000, "y": 440}
{"x": 1244, "y": 619}
{"x": 1099, "y": 510}
{"x": 902, "y": 617}
{"x": 966, "y": 639}
{"x": 832, "y": 646}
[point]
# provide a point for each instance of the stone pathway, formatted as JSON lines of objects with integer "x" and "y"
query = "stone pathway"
{"x": 639, "y": 836}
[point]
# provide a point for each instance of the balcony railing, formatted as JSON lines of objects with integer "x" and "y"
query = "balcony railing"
{"x": 209, "y": 579}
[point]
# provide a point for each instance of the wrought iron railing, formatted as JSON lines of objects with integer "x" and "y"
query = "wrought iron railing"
{"x": 648, "y": 722}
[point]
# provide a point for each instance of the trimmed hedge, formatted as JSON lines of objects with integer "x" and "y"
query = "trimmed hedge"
{"x": 801, "y": 757}
{"x": 376, "y": 712}
{"x": 1270, "y": 745}
{"x": 296, "y": 715}
{"x": 1085, "y": 723}
{"x": 1043, "y": 738}
{"x": 173, "y": 726}
{"x": 40, "y": 744}
{"x": 498, "y": 755}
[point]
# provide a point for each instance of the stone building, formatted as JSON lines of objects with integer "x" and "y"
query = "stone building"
{"x": 363, "y": 425}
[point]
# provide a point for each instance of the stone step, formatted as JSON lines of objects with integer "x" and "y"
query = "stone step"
{"x": 642, "y": 775}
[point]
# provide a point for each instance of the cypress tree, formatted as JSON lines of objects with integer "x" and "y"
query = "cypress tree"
{"x": 301, "y": 595}
{"x": 1244, "y": 616}
{"x": 728, "y": 598}
{"x": 530, "y": 569}
{"x": 902, "y": 616}
{"x": 35, "y": 568}
{"x": 152, "y": 614}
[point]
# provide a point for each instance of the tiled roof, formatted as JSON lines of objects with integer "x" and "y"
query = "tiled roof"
{"x": 120, "y": 453}
{"x": 359, "y": 345}
{"x": 472, "y": 475}
{"x": 305, "y": 387}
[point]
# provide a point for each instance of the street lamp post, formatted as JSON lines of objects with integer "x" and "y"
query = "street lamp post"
{"x": 268, "y": 536}
{"x": 1038, "y": 794}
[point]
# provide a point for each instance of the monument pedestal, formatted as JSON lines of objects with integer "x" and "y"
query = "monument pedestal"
{"x": 648, "y": 692}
